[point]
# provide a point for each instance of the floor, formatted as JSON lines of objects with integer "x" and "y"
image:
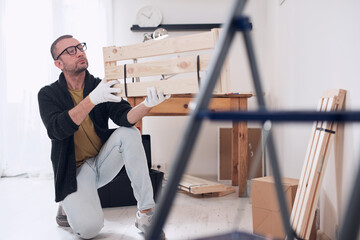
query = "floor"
{"x": 27, "y": 211}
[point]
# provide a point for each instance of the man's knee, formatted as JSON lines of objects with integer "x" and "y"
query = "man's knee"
{"x": 128, "y": 133}
{"x": 89, "y": 228}
{"x": 130, "y": 130}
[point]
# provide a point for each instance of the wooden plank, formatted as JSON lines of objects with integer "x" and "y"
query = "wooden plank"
{"x": 319, "y": 157}
{"x": 184, "y": 64}
{"x": 108, "y": 65}
{"x": 229, "y": 190}
{"x": 315, "y": 192}
{"x": 314, "y": 166}
{"x": 223, "y": 83}
{"x": 224, "y": 80}
{"x": 309, "y": 166}
{"x": 187, "y": 43}
{"x": 309, "y": 159}
{"x": 170, "y": 86}
{"x": 297, "y": 204}
{"x": 180, "y": 106}
{"x": 197, "y": 185}
{"x": 217, "y": 88}
{"x": 338, "y": 101}
{"x": 337, "y": 94}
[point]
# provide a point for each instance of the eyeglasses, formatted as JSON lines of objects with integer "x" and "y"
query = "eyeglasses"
{"x": 73, "y": 49}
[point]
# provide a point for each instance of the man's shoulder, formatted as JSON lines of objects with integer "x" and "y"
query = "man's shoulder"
{"x": 51, "y": 88}
{"x": 52, "y": 85}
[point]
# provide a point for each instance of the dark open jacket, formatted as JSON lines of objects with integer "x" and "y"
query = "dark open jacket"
{"x": 55, "y": 102}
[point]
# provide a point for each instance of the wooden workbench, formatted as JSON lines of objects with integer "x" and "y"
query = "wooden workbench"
{"x": 178, "y": 105}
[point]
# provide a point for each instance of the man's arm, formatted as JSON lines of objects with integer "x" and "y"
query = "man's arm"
{"x": 137, "y": 113}
{"x": 56, "y": 119}
{"x": 153, "y": 98}
{"x": 80, "y": 111}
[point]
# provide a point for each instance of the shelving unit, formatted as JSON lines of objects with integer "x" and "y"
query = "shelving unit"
{"x": 178, "y": 27}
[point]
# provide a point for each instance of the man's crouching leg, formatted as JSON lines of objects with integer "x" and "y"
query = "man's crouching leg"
{"x": 89, "y": 228}
{"x": 125, "y": 147}
{"x": 134, "y": 157}
{"x": 83, "y": 208}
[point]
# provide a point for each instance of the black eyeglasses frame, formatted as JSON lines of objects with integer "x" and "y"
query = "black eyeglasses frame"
{"x": 81, "y": 46}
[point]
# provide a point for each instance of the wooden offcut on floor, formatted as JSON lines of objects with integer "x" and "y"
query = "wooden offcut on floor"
{"x": 27, "y": 211}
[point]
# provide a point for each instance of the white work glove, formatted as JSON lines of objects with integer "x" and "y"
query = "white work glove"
{"x": 104, "y": 92}
{"x": 154, "y": 98}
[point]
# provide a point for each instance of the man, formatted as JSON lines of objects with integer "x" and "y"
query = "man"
{"x": 85, "y": 153}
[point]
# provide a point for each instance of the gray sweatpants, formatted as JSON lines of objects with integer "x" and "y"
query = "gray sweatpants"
{"x": 83, "y": 209}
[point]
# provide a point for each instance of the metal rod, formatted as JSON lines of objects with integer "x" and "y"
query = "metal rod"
{"x": 290, "y": 233}
{"x": 194, "y": 123}
{"x": 271, "y": 147}
{"x": 283, "y": 116}
{"x": 351, "y": 222}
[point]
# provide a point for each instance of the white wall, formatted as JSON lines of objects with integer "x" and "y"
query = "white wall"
{"x": 316, "y": 47}
{"x": 2, "y": 83}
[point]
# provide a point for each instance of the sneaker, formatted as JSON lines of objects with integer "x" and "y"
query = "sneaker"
{"x": 143, "y": 221}
{"x": 61, "y": 218}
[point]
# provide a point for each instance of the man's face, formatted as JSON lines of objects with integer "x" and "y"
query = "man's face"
{"x": 71, "y": 64}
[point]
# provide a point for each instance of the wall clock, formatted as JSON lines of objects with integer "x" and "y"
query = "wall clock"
{"x": 149, "y": 16}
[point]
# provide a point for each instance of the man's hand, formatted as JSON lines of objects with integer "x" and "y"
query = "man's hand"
{"x": 154, "y": 97}
{"x": 104, "y": 93}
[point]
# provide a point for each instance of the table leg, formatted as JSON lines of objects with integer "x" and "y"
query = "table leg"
{"x": 235, "y": 106}
{"x": 235, "y": 154}
{"x": 243, "y": 152}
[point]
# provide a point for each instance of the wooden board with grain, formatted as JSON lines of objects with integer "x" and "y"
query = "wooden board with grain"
{"x": 169, "y": 59}
{"x": 229, "y": 190}
{"x": 195, "y": 185}
{"x": 175, "y": 86}
{"x": 317, "y": 154}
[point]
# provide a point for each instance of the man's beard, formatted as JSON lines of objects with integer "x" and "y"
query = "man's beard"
{"x": 82, "y": 67}
{"x": 78, "y": 68}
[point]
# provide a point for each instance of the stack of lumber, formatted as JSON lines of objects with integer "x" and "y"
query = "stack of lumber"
{"x": 308, "y": 191}
{"x": 200, "y": 187}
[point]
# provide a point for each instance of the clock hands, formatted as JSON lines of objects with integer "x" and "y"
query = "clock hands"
{"x": 147, "y": 15}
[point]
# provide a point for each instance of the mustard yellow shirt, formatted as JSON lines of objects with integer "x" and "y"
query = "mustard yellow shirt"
{"x": 87, "y": 142}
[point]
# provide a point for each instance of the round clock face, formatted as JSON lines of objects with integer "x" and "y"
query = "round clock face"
{"x": 149, "y": 16}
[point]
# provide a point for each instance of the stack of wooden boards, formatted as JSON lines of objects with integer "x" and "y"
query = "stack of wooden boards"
{"x": 179, "y": 60}
{"x": 201, "y": 187}
{"x": 307, "y": 194}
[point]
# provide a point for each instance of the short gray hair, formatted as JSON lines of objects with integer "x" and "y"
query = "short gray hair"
{"x": 53, "y": 45}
